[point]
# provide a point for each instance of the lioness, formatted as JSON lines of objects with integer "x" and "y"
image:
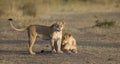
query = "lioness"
{"x": 69, "y": 43}
{"x": 53, "y": 33}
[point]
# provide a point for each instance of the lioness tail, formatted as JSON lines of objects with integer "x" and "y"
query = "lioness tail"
{"x": 11, "y": 24}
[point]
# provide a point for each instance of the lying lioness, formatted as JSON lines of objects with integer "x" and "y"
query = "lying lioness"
{"x": 53, "y": 32}
{"x": 69, "y": 43}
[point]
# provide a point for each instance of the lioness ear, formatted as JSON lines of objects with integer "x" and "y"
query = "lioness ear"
{"x": 64, "y": 37}
{"x": 56, "y": 23}
{"x": 63, "y": 22}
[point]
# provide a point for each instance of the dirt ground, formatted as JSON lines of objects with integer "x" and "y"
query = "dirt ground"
{"x": 95, "y": 45}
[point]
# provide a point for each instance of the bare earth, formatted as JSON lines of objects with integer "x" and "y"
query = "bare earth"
{"x": 95, "y": 45}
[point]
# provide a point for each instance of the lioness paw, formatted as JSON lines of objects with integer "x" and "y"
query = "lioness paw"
{"x": 32, "y": 53}
{"x": 59, "y": 51}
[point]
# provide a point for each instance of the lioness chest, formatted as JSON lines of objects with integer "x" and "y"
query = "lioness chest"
{"x": 56, "y": 35}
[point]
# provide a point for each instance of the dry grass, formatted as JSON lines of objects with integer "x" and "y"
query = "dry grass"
{"x": 19, "y": 8}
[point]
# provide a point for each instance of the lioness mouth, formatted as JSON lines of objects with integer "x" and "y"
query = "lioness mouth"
{"x": 58, "y": 30}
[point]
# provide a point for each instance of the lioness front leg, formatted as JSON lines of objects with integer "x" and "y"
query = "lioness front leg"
{"x": 52, "y": 45}
{"x": 59, "y": 46}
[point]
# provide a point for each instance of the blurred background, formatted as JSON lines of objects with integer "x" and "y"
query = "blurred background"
{"x": 36, "y": 8}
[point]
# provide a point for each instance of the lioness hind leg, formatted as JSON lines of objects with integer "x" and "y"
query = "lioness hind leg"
{"x": 32, "y": 38}
{"x": 31, "y": 43}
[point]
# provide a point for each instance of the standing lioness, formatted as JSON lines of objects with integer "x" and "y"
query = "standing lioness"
{"x": 53, "y": 32}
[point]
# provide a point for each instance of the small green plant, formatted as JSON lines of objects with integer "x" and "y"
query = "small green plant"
{"x": 104, "y": 23}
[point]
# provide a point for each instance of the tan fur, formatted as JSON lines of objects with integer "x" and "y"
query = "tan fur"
{"x": 53, "y": 33}
{"x": 69, "y": 43}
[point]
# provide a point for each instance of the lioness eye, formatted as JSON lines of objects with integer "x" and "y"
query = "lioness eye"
{"x": 56, "y": 25}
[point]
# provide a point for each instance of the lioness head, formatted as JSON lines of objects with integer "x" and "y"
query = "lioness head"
{"x": 58, "y": 26}
{"x": 65, "y": 38}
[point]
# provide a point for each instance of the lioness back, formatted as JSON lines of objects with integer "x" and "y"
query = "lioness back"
{"x": 40, "y": 30}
